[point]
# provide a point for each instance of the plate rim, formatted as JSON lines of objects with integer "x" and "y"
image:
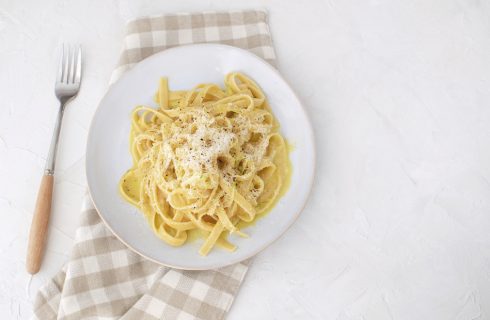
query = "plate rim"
{"x": 263, "y": 246}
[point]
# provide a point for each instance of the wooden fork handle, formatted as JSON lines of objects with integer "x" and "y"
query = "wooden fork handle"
{"x": 39, "y": 225}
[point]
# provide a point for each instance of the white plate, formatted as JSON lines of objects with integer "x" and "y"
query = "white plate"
{"x": 108, "y": 152}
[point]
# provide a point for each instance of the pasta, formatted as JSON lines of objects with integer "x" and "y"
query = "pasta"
{"x": 207, "y": 159}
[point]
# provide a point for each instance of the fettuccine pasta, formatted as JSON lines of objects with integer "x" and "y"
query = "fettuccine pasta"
{"x": 207, "y": 159}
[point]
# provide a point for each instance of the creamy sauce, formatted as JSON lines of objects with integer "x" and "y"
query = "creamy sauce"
{"x": 284, "y": 188}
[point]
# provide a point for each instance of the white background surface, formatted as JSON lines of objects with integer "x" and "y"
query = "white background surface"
{"x": 398, "y": 225}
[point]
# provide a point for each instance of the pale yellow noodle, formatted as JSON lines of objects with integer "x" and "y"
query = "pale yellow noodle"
{"x": 207, "y": 159}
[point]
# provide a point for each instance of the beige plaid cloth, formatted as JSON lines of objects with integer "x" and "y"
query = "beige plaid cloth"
{"x": 104, "y": 279}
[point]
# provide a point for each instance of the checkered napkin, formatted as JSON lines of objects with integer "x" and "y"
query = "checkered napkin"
{"x": 103, "y": 278}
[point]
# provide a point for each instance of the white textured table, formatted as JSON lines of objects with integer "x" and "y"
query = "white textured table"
{"x": 398, "y": 225}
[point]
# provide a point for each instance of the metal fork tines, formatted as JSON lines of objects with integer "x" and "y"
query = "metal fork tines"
{"x": 66, "y": 87}
{"x": 69, "y": 73}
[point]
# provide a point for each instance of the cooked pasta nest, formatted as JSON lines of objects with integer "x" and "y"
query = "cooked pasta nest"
{"x": 210, "y": 159}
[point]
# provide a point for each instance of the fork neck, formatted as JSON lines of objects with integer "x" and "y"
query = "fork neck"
{"x": 63, "y": 101}
{"x": 51, "y": 159}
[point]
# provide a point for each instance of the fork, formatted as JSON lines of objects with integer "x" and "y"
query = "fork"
{"x": 66, "y": 87}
